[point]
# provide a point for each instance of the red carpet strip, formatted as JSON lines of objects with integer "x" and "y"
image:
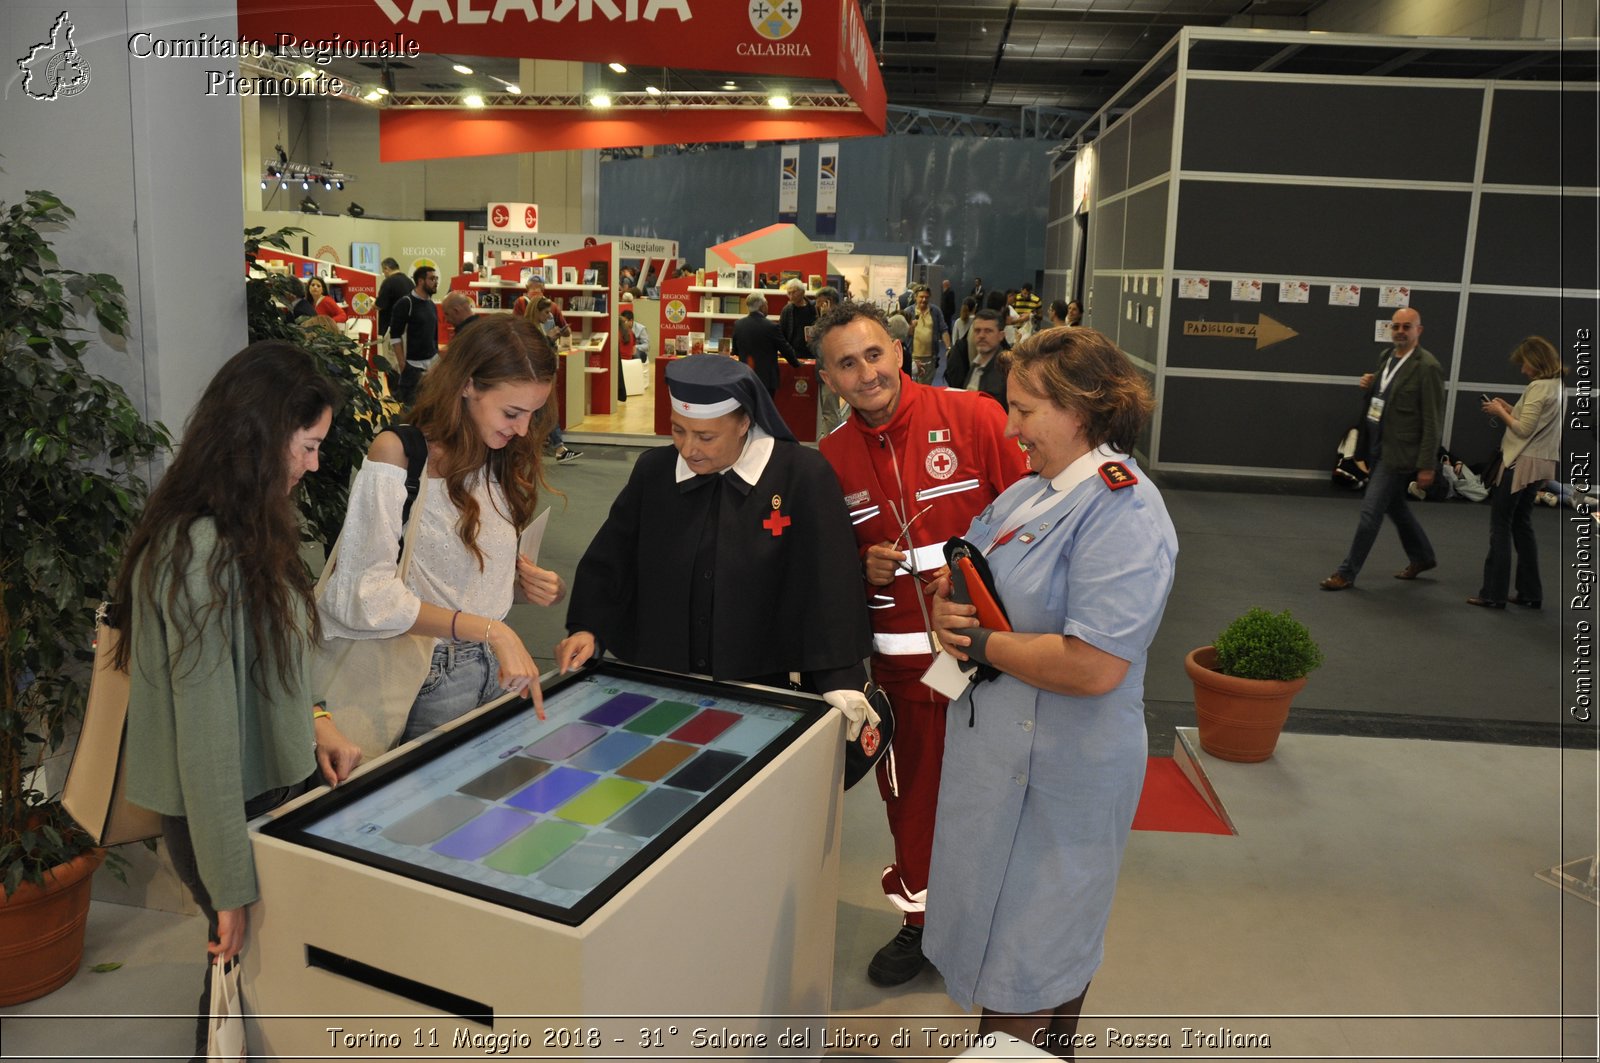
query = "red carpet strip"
{"x": 1171, "y": 803}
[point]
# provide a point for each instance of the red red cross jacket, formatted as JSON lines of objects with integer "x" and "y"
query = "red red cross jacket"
{"x": 943, "y": 455}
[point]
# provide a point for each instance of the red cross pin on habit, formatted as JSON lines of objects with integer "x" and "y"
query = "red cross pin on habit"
{"x": 776, "y": 522}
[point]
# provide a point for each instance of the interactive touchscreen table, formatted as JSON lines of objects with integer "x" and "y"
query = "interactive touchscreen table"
{"x": 659, "y": 845}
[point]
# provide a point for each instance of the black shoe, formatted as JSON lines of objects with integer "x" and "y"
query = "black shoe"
{"x": 566, "y": 454}
{"x": 1528, "y": 603}
{"x": 900, "y": 960}
{"x": 1486, "y": 603}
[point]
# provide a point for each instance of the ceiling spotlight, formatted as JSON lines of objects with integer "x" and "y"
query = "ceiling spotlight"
{"x": 373, "y": 95}
{"x": 309, "y": 206}
{"x": 327, "y": 185}
{"x": 307, "y": 74}
{"x": 515, "y": 90}
{"x": 779, "y": 102}
{"x": 305, "y": 186}
{"x": 618, "y": 67}
{"x": 263, "y": 184}
{"x": 472, "y": 99}
{"x": 652, "y": 90}
{"x": 600, "y": 99}
{"x": 339, "y": 185}
{"x": 355, "y": 210}
{"x": 382, "y": 90}
{"x": 729, "y": 85}
{"x": 461, "y": 68}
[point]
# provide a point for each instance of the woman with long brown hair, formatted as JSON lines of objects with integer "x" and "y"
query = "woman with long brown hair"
{"x": 1528, "y": 457}
{"x": 485, "y": 412}
{"x": 216, "y": 612}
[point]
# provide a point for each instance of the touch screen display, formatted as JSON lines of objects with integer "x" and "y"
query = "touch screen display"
{"x": 555, "y": 816}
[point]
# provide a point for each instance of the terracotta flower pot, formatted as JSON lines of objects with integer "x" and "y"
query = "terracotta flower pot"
{"x": 41, "y": 930}
{"x": 1240, "y": 719}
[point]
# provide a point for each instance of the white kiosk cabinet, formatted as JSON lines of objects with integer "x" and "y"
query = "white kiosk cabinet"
{"x": 651, "y": 872}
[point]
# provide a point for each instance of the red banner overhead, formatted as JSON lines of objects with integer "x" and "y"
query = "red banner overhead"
{"x": 802, "y": 39}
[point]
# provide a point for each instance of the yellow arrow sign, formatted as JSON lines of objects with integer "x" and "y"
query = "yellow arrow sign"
{"x": 1265, "y": 331}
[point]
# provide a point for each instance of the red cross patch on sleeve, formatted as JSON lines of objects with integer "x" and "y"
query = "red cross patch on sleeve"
{"x": 1116, "y": 475}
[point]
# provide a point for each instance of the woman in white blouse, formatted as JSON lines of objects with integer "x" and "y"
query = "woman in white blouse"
{"x": 485, "y": 413}
{"x": 1528, "y": 457}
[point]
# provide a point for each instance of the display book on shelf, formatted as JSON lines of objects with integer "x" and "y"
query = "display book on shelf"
{"x": 714, "y": 312}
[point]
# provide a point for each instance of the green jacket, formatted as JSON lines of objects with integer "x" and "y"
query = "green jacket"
{"x": 202, "y": 736}
{"x": 1413, "y": 412}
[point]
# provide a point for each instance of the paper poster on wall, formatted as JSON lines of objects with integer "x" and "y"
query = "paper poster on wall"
{"x": 1394, "y": 295}
{"x": 1247, "y": 291}
{"x": 1150, "y": 317}
{"x": 364, "y": 255}
{"x": 1294, "y": 292}
{"x": 1194, "y": 288}
{"x": 827, "y": 189}
{"x": 1381, "y": 332}
{"x": 789, "y": 184}
{"x": 1344, "y": 295}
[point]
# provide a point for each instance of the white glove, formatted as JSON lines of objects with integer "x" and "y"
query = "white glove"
{"x": 856, "y": 708}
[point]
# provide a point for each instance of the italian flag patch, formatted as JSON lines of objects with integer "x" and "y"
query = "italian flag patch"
{"x": 939, "y": 435}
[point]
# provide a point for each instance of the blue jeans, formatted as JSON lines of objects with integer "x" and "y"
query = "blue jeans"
{"x": 1386, "y": 495}
{"x": 1511, "y": 522}
{"x": 462, "y": 676}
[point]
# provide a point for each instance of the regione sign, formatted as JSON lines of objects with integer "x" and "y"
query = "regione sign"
{"x": 513, "y": 217}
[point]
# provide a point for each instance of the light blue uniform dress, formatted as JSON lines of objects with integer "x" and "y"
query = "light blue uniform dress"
{"x": 1037, "y": 796}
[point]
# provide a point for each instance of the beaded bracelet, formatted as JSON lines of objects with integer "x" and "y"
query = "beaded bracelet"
{"x": 453, "y": 620}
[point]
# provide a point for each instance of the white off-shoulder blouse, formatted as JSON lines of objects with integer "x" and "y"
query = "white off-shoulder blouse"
{"x": 365, "y": 599}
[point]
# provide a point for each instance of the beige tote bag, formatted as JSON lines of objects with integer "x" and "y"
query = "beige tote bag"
{"x": 370, "y": 684}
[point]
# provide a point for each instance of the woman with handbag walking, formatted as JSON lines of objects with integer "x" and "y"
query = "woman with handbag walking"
{"x": 216, "y": 612}
{"x": 484, "y": 413}
{"x": 1527, "y": 459}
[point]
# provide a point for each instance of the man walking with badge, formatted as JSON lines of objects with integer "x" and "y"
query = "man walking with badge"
{"x": 1402, "y": 426}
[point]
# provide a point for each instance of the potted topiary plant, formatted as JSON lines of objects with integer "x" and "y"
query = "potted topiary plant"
{"x": 366, "y": 410}
{"x": 1245, "y": 681}
{"x": 73, "y": 448}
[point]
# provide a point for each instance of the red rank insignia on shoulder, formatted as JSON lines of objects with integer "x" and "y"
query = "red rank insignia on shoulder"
{"x": 1116, "y": 475}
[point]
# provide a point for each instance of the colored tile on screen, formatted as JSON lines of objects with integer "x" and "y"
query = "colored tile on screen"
{"x": 484, "y": 834}
{"x": 614, "y": 749}
{"x": 535, "y": 847}
{"x": 557, "y": 787}
{"x": 657, "y": 761}
{"x": 660, "y": 718}
{"x": 706, "y": 726}
{"x": 504, "y": 777}
{"x": 750, "y": 735}
{"x": 433, "y": 820}
{"x": 601, "y": 801}
{"x": 561, "y": 744}
{"x": 651, "y": 814}
{"x": 585, "y": 864}
{"x": 705, "y": 770}
{"x": 618, "y": 709}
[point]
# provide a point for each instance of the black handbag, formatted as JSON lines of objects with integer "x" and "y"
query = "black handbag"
{"x": 862, "y": 753}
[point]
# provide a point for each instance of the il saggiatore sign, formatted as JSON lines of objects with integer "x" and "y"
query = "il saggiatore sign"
{"x": 811, "y": 39}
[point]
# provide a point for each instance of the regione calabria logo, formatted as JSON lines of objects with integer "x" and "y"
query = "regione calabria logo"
{"x": 775, "y": 19}
{"x": 55, "y": 68}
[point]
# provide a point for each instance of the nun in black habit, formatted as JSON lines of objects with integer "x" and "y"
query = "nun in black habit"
{"x": 729, "y": 553}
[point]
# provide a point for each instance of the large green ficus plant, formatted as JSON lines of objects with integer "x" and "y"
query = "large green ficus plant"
{"x": 323, "y": 497}
{"x": 73, "y": 453}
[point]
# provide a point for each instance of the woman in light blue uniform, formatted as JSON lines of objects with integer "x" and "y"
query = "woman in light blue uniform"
{"x": 1044, "y": 764}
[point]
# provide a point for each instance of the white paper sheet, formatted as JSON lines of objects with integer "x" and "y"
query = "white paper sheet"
{"x": 533, "y": 536}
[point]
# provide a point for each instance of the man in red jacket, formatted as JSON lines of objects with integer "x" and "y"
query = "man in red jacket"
{"x": 917, "y": 463}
